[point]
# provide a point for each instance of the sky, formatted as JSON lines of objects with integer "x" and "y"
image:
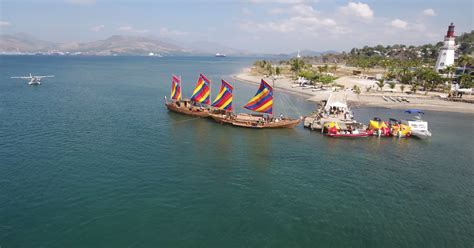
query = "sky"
{"x": 271, "y": 26}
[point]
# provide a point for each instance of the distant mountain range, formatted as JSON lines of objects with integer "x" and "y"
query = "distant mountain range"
{"x": 114, "y": 45}
{"x": 21, "y": 43}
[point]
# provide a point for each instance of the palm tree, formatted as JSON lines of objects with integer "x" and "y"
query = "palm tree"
{"x": 326, "y": 67}
{"x": 322, "y": 69}
{"x": 406, "y": 77}
{"x": 414, "y": 87}
{"x": 277, "y": 71}
{"x": 380, "y": 83}
{"x": 422, "y": 75}
{"x": 433, "y": 79}
{"x": 296, "y": 65}
{"x": 269, "y": 69}
{"x": 466, "y": 81}
{"x": 465, "y": 60}
{"x": 392, "y": 85}
{"x": 450, "y": 70}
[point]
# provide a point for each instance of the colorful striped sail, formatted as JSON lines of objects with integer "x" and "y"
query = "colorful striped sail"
{"x": 263, "y": 100}
{"x": 175, "y": 88}
{"x": 224, "y": 98}
{"x": 202, "y": 90}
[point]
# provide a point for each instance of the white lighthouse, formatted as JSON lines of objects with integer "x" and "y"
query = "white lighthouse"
{"x": 446, "y": 53}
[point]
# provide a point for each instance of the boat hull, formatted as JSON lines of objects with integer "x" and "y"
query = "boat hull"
{"x": 421, "y": 134}
{"x": 192, "y": 111}
{"x": 285, "y": 123}
{"x": 362, "y": 134}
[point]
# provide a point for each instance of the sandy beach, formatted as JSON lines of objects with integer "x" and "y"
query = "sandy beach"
{"x": 432, "y": 101}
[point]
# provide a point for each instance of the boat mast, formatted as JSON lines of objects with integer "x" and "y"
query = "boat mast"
{"x": 210, "y": 92}
{"x": 273, "y": 93}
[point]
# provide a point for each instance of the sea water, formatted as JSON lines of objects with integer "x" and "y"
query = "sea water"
{"x": 92, "y": 158}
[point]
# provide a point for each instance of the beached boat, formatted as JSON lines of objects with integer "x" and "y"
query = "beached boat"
{"x": 419, "y": 127}
{"x": 200, "y": 100}
{"x": 262, "y": 103}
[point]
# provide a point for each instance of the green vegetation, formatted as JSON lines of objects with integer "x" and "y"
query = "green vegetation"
{"x": 356, "y": 89}
{"x": 391, "y": 85}
{"x": 380, "y": 83}
{"x": 315, "y": 77}
{"x": 466, "y": 43}
{"x": 408, "y": 65}
{"x": 296, "y": 65}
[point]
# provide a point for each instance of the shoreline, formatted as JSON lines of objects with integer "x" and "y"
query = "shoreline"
{"x": 364, "y": 99}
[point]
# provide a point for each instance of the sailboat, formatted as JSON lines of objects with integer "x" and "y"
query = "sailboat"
{"x": 200, "y": 100}
{"x": 262, "y": 102}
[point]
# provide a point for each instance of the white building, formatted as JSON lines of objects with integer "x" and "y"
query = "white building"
{"x": 446, "y": 53}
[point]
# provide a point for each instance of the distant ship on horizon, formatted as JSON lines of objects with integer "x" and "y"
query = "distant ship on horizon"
{"x": 220, "y": 55}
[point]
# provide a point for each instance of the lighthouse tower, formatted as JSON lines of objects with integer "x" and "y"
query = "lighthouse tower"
{"x": 446, "y": 53}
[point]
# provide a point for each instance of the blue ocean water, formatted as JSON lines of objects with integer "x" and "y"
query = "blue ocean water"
{"x": 92, "y": 158}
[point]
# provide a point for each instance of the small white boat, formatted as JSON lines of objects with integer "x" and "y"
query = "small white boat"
{"x": 385, "y": 98}
{"x": 419, "y": 127}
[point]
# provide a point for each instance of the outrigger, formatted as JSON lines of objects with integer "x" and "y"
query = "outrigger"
{"x": 262, "y": 102}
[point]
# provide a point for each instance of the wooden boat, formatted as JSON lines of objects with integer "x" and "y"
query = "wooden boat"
{"x": 187, "y": 108}
{"x": 254, "y": 121}
{"x": 262, "y": 102}
{"x": 200, "y": 100}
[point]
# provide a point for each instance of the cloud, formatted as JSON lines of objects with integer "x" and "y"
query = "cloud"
{"x": 4, "y": 24}
{"x": 299, "y": 9}
{"x": 429, "y": 12}
{"x": 276, "y": 11}
{"x": 167, "y": 32}
{"x": 125, "y": 28}
{"x": 133, "y": 30}
{"x": 284, "y": 1}
{"x": 358, "y": 9}
{"x": 246, "y": 11}
{"x": 97, "y": 28}
{"x": 397, "y": 23}
{"x": 302, "y": 19}
{"x": 81, "y": 2}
